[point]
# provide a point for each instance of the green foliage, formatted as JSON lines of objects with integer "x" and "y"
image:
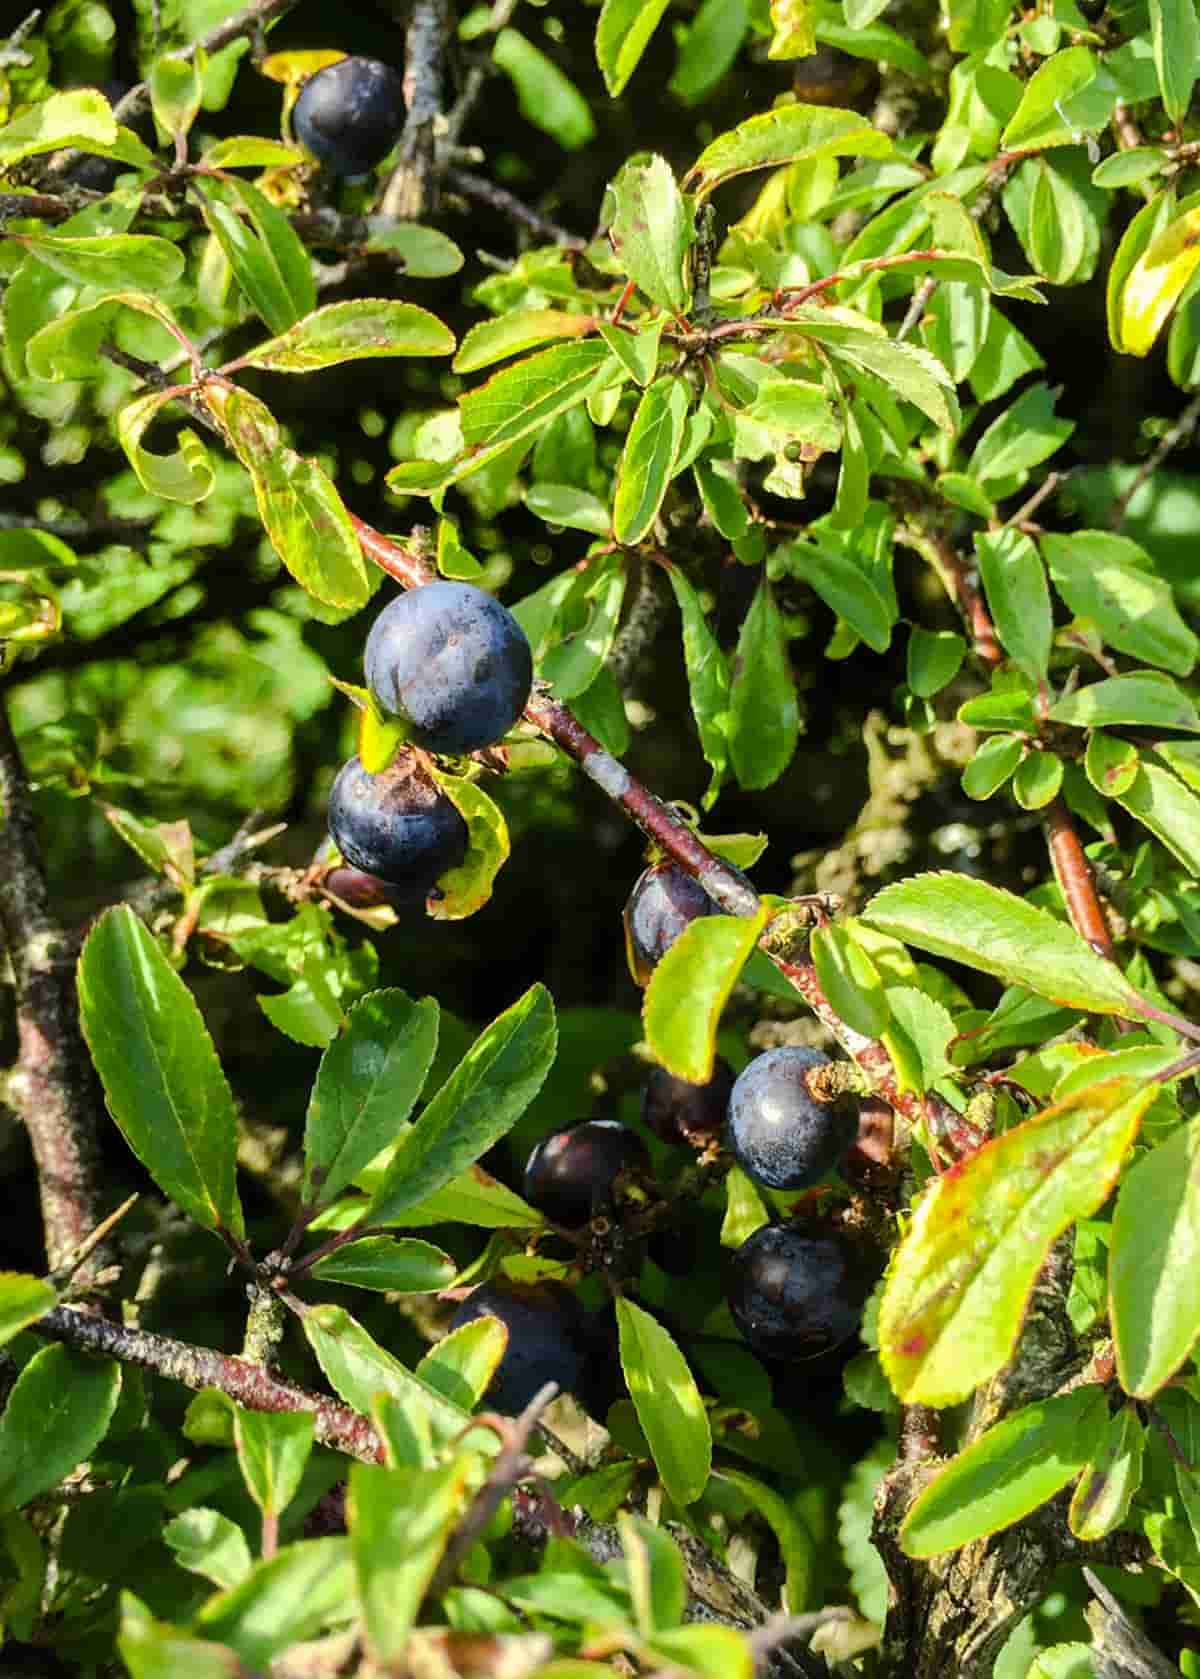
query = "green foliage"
{"x": 795, "y": 493}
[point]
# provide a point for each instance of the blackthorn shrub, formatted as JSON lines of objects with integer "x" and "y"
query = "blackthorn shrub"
{"x": 570, "y": 1174}
{"x": 795, "y": 1293}
{"x": 349, "y": 115}
{"x": 680, "y": 1112}
{"x": 547, "y": 1338}
{"x": 397, "y": 825}
{"x": 779, "y": 1132}
{"x": 453, "y": 662}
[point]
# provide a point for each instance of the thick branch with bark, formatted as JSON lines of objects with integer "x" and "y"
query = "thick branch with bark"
{"x": 52, "y": 1087}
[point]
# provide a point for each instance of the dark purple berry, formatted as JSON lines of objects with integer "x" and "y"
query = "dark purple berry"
{"x": 453, "y": 662}
{"x": 570, "y": 1174}
{"x": 664, "y": 900}
{"x": 397, "y": 825}
{"x": 680, "y": 1112}
{"x": 359, "y": 890}
{"x": 547, "y": 1338}
{"x": 349, "y": 115}
{"x": 797, "y": 1295}
{"x": 779, "y": 1132}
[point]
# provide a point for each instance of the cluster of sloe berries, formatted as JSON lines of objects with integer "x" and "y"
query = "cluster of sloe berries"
{"x": 454, "y": 667}
{"x": 796, "y": 1290}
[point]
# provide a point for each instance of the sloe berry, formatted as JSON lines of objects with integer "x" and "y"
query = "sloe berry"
{"x": 547, "y": 1338}
{"x": 397, "y": 825}
{"x": 665, "y": 899}
{"x": 680, "y": 1112}
{"x": 570, "y": 1174}
{"x": 452, "y": 661}
{"x": 794, "y": 1294}
{"x": 361, "y": 890}
{"x": 779, "y": 1133}
{"x": 349, "y": 115}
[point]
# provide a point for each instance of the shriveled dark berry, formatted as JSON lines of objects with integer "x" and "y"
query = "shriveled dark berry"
{"x": 779, "y": 1133}
{"x": 397, "y": 825}
{"x": 349, "y": 115}
{"x": 665, "y": 899}
{"x": 361, "y": 890}
{"x": 796, "y": 1294}
{"x": 547, "y": 1338}
{"x": 453, "y": 662}
{"x": 680, "y": 1112}
{"x": 570, "y": 1174}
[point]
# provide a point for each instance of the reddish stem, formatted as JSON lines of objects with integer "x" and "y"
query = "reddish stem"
{"x": 1076, "y": 882}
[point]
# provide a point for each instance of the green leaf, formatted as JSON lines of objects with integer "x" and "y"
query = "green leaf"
{"x": 655, "y": 1571}
{"x": 82, "y": 118}
{"x": 722, "y": 500}
{"x": 287, "y": 1599}
{"x": 590, "y": 613}
{"x": 250, "y": 151}
{"x": 928, "y": 1027}
{"x": 1010, "y": 1471}
{"x": 514, "y": 331}
{"x": 303, "y": 514}
{"x": 1154, "y": 1263}
{"x": 563, "y": 504}
{"x": 368, "y": 326}
{"x": 273, "y": 1448}
{"x": 207, "y": 1543}
{"x": 912, "y": 373}
{"x": 1038, "y": 780}
{"x": 176, "y": 86}
{"x": 991, "y": 766}
{"x": 366, "y": 1087}
{"x": 468, "y": 887}
{"x": 653, "y": 232}
{"x": 1168, "y": 809}
{"x": 154, "y": 1649}
{"x": 22, "y": 1300}
{"x": 547, "y": 98}
{"x": 1112, "y": 1477}
{"x": 651, "y": 448}
{"x": 961, "y": 1279}
{"x": 786, "y": 135}
{"x": 849, "y": 979}
{"x": 162, "y": 1081}
{"x": 1175, "y": 35}
{"x": 1027, "y": 433}
{"x": 690, "y": 987}
{"x": 800, "y": 411}
{"x": 488, "y": 1091}
{"x": 934, "y": 659}
{"x": 622, "y": 34}
{"x": 1111, "y": 580}
{"x": 1039, "y": 119}
{"x": 401, "y": 1522}
{"x": 708, "y": 1652}
{"x": 710, "y": 47}
{"x": 1111, "y": 764}
{"x": 461, "y": 1365}
{"x": 970, "y": 921}
{"x": 708, "y": 678}
{"x": 186, "y": 476}
{"x": 1145, "y": 699}
{"x": 843, "y": 585}
{"x": 357, "y": 1368}
{"x": 474, "y": 1197}
{"x": 57, "y": 1414}
{"x": 527, "y": 396}
{"x": 113, "y": 262}
{"x": 667, "y": 1401}
{"x": 388, "y": 1266}
{"x": 764, "y": 715}
{"x": 796, "y": 1549}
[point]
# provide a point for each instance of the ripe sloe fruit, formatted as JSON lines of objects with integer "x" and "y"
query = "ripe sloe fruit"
{"x": 664, "y": 900}
{"x": 778, "y": 1132}
{"x": 397, "y": 825}
{"x": 547, "y": 1338}
{"x": 349, "y": 115}
{"x": 794, "y": 1294}
{"x": 680, "y": 1112}
{"x": 570, "y": 1174}
{"x": 453, "y": 662}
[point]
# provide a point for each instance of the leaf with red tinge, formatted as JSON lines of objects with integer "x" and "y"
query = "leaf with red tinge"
{"x": 962, "y": 1276}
